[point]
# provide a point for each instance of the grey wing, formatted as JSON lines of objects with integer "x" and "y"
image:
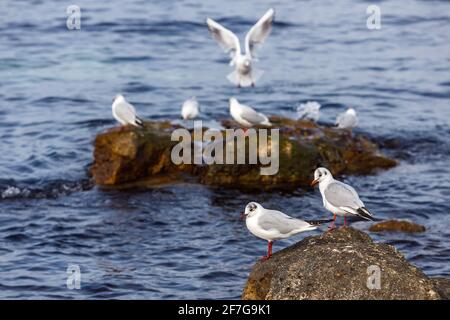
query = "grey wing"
{"x": 126, "y": 112}
{"x": 226, "y": 39}
{"x": 281, "y": 222}
{"x": 339, "y": 194}
{"x": 252, "y": 115}
{"x": 259, "y": 32}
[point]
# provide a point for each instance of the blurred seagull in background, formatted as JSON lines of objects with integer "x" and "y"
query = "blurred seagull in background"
{"x": 124, "y": 112}
{"x": 244, "y": 75}
{"x": 347, "y": 119}
{"x": 338, "y": 197}
{"x": 190, "y": 109}
{"x": 309, "y": 111}
{"x": 274, "y": 225}
{"x": 247, "y": 116}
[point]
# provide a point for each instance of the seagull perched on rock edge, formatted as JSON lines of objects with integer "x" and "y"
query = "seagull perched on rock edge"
{"x": 274, "y": 225}
{"x": 124, "y": 112}
{"x": 339, "y": 198}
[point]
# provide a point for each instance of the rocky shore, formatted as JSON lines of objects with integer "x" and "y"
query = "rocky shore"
{"x": 129, "y": 155}
{"x": 341, "y": 264}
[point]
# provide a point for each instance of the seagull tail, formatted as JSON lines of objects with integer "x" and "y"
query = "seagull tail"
{"x": 364, "y": 213}
{"x": 233, "y": 77}
{"x": 319, "y": 222}
{"x": 138, "y": 121}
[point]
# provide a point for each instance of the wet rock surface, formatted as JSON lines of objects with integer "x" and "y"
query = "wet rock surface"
{"x": 397, "y": 226}
{"x": 337, "y": 265}
{"x": 128, "y": 154}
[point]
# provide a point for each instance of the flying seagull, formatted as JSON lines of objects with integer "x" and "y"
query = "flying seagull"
{"x": 244, "y": 75}
{"x": 338, "y": 197}
{"x": 124, "y": 112}
{"x": 274, "y": 225}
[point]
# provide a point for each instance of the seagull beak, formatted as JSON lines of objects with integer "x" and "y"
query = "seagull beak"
{"x": 314, "y": 182}
{"x": 242, "y": 216}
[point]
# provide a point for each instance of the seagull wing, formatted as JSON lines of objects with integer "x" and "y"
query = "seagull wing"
{"x": 343, "y": 196}
{"x": 226, "y": 39}
{"x": 251, "y": 115}
{"x": 282, "y": 223}
{"x": 259, "y": 32}
{"x": 126, "y": 112}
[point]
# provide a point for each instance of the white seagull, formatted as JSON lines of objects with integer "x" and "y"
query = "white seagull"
{"x": 309, "y": 111}
{"x": 273, "y": 225}
{"x": 190, "y": 109}
{"x": 247, "y": 116}
{"x": 338, "y": 197}
{"x": 124, "y": 112}
{"x": 347, "y": 119}
{"x": 243, "y": 75}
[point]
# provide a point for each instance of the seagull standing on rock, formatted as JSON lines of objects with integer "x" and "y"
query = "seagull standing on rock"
{"x": 338, "y": 197}
{"x": 124, "y": 112}
{"x": 190, "y": 109}
{"x": 247, "y": 116}
{"x": 243, "y": 75}
{"x": 347, "y": 119}
{"x": 274, "y": 225}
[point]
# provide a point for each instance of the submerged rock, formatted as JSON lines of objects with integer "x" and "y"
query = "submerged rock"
{"x": 397, "y": 225}
{"x": 338, "y": 265}
{"x": 130, "y": 154}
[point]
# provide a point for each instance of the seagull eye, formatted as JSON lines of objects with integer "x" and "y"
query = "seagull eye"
{"x": 325, "y": 173}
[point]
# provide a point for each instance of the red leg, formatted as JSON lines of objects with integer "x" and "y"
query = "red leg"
{"x": 269, "y": 251}
{"x": 345, "y": 221}
{"x": 331, "y": 227}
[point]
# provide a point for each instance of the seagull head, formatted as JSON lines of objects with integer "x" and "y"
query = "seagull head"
{"x": 351, "y": 111}
{"x": 117, "y": 97}
{"x": 233, "y": 100}
{"x": 321, "y": 174}
{"x": 251, "y": 209}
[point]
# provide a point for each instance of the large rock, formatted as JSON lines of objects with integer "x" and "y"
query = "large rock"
{"x": 129, "y": 155}
{"x": 335, "y": 265}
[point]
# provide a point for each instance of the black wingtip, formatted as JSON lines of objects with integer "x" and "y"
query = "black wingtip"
{"x": 364, "y": 213}
{"x": 318, "y": 222}
{"x": 139, "y": 122}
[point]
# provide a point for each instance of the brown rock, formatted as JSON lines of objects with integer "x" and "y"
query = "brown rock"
{"x": 397, "y": 225}
{"x": 128, "y": 155}
{"x": 335, "y": 265}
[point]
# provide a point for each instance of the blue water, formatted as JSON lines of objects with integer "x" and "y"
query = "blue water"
{"x": 186, "y": 241}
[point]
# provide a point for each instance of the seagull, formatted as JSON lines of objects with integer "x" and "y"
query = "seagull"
{"x": 190, "y": 109}
{"x": 338, "y": 197}
{"x": 309, "y": 111}
{"x": 274, "y": 225}
{"x": 243, "y": 75}
{"x": 247, "y": 116}
{"x": 124, "y": 112}
{"x": 347, "y": 119}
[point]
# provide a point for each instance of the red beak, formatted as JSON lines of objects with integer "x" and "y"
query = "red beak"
{"x": 314, "y": 182}
{"x": 242, "y": 216}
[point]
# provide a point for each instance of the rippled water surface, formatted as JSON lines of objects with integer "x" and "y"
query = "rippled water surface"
{"x": 186, "y": 241}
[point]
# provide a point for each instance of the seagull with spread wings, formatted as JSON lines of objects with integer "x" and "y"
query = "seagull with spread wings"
{"x": 244, "y": 74}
